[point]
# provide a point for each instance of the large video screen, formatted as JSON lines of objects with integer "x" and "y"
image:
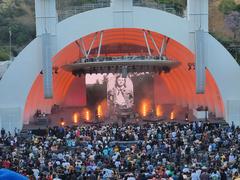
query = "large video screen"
{"x": 120, "y": 93}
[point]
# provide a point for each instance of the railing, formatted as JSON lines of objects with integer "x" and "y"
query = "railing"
{"x": 86, "y": 6}
{"x": 73, "y": 10}
{"x": 111, "y": 59}
{"x": 160, "y": 6}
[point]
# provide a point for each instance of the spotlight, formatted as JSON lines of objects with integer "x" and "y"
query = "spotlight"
{"x": 87, "y": 115}
{"x": 172, "y": 116}
{"x": 99, "y": 111}
{"x": 62, "y": 122}
{"x": 159, "y": 112}
{"x": 144, "y": 109}
{"x": 75, "y": 118}
{"x": 186, "y": 116}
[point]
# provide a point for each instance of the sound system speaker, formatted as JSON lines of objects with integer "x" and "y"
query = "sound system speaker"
{"x": 200, "y": 62}
{"x": 47, "y": 65}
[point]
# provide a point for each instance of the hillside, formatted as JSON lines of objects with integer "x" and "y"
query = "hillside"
{"x": 18, "y": 16}
{"x": 216, "y": 21}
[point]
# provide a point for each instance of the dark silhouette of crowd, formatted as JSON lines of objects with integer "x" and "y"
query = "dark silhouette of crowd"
{"x": 131, "y": 152}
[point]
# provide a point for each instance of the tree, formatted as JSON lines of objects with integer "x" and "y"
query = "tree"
{"x": 232, "y": 21}
{"x": 179, "y": 5}
{"x": 4, "y": 54}
{"x": 238, "y": 8}
{"x": 226, "y": 6}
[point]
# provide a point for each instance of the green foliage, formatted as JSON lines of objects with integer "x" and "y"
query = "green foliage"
{"x": 4, "y": 35}
{"x": 178, "y": 5}
{"x": 22, "y": 34}
{"x": 11, "y": 12}
{"x": 182, "y": 3}
{"x": 227, "y": 43}
{"x": 4, "y": 53}
{"x": 65, "y": 3}
{"x": 226, "y": 6}
{"x": 237, "y": 8}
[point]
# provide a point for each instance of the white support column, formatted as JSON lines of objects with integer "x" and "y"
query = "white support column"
{"x": 164, "y": 46}
{"x": 197, "y": 11}
{"x": 200, "y": 64}
{"x": 46, "y": 17}
{"x": 100, "y": 44}
{"x": 146, "y": 41}
{"x": 80, "y": 47}
{"x": 197, "y": 15}
{"x": 46, "y": 23}
{"x": 90, "y": 48}
{"x": 122, "y": 13}
{"x": 154, "y": 43}
{"x": 83, "y": 47}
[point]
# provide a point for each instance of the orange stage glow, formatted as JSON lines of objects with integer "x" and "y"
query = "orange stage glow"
{"x": 181, "y": 89}
{"x": 159, "y": 111}
{"x": 75, "y": 117}
{"x": 145, "y": 107}
{"x": 62, "y": 123}
{"x": 104, "y": 108}
{"x": 99, "y": 111}
{"x": 172, "y": 116}
{"x": 87, "y": 115}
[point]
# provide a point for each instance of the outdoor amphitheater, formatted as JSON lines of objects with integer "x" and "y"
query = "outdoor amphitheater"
{"x": 121, "y": 90}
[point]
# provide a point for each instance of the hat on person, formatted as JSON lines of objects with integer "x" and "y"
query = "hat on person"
{"x": 11, "y": 175}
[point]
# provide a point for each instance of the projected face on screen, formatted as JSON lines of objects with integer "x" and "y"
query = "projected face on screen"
{"x": 119, "y": 92}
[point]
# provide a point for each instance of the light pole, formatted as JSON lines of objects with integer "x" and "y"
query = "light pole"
{"x": 10, "y": 44}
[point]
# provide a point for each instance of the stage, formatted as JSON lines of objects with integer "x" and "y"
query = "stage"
{"x": 70, "y": 116}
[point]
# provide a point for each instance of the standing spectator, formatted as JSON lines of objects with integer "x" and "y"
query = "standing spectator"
{"x": 2, "y": 132}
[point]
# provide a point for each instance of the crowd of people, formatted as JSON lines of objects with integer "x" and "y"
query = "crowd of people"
{"x": 131, "y": 152}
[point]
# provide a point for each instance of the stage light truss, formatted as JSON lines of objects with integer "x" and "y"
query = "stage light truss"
{"x": 122, "y": 65}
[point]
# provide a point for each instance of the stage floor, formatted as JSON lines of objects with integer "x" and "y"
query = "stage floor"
{"x": 67, "y": 114}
